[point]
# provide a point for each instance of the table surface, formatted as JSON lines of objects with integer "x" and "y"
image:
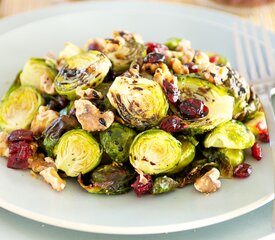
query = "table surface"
{"x": 254, "y": 225}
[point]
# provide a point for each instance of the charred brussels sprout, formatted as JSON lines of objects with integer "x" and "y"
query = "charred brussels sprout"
{"x": 116, "y": 141}
{"x": 232, "y": 134}
{"x": 35, "y": 70}
{"x": 226, "y": 159}
{"x": 156, "y": 151}
{"x": 107, "y": 179}
{"x": 216, "y": 99}
{"x": 77, "y": 152}
{"x": 124, "y": 49}
{"x": 19, "y": 107}
{"x": 56, "y": 129}
{"x": 140, "y": 102}
{"x": 84, "y": 70}
{"x": 164, "y": 184}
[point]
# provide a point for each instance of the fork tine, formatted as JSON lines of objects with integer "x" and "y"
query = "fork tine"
{"x": 259, "y": 55}
{"x": 268, "y": 49}
{"x": 238, "y": 49}
{"x": 248, "y": 47}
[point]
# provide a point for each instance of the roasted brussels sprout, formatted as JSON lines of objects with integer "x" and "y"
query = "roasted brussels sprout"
{"x": 18, "y": 108}
{"x": 156, "y": 151}
{"x": 84, "y": 70}
{"x": 56, "y": 129}
{"x": 216, "y": 99}
{"x": 69, "y": 51}
{"x": 232, "y": 134}
{"x": 164, "y": 184}
{"x": 116, "y": 141}
{"x": 226, "y": 159}
{"x": 140, "y": 102}
{"x": 77, "y": 152}
{"x": 37, "y": 69}
{"x": 108, "y": 179}
{"x": 124, "y": 49}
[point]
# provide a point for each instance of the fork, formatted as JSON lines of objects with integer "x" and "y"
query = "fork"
{"x": 256, "y": 63}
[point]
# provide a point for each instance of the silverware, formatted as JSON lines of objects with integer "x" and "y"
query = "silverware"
{"x": 256, "y": 62}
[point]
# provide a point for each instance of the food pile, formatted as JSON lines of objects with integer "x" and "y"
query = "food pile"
{"x": 121, "y": 114}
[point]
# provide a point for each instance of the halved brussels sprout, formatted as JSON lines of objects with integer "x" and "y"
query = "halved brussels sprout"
{"x": 140, "y": 102}
{"x": 108, "y": 179}
{"x": 84, "y": 70}
{"x": 124, "y": 49}
{"x": 18, "y": 108}
{"x": 77, "y": 152}
{"x": 156, "y": 151}
{"x": 232, "y": 134}
{"x": 55, "y": 130}
{"x": 116, "y": 141}
{"x": 35, "y": 69}
{"x": 216, "y": 99}
{"x": 164, "y": 184}
{"x": 69, "y": 51}
{"x": 226, "y": 159}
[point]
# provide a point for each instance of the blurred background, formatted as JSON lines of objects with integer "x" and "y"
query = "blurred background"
{"x": 258, "y": 11}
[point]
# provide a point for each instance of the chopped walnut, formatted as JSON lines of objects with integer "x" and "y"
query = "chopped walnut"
{"x": 201, "y": 58}
{"x": 4, "y": 148}
{"x": 51, "y": 176}
{"x": 47, "y": 84}
{"x": 88, "y": 94}
{"x": 163, "y": 73}
{"x": 209, "y": 182}
{"x": 43, "y": 119}
{"x": 215, "y": 74}
{"x": 178, "y": 67}
{"x": 96, "y": 44}
{"x": 91, "y": 118}
{"x": 37, "y": 163}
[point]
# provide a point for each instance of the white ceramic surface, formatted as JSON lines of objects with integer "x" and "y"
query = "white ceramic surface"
{"x": 126, "y": 214}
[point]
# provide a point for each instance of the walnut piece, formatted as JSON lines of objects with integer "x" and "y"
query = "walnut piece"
{"x": 4, "y": 148}
{"x": 88, "y": 94}
{"x": 47, "y": 84}
{"x": 209, "y": 182}
{"x": 43, "y": 119}
{"x": 91, "y": 118}
{"x": 51, "y": 176}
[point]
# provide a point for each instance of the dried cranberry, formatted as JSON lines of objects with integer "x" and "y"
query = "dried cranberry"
{"x": 19, "y": 153}
{"x": 214, "y": 59}
{"x": 192, "y": 67}
{"x": 242, "y": 171}
{"x": 171, "y": 91}
{"x": 264, "y": 137}
{"x": 261, "y": 127}
{"x": 154, "y": 57}
{"x": 172, "y": 124}
{"x": 19, "y": 135}
{"x": 192, "y": 108}
{"x": 156, "y": 47}
{"x": 140, "y": 188}
{"x": 256, "y": 151}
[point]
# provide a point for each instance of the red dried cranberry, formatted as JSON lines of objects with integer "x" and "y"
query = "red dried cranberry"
{"x": 154, "y": 57}
{"x": 261, "y": 127}
{"x": 171, "y": 91}
{"x": 214, "y": 59}
{"x": 156, "y": 47}
{"x": 172, "y": 124}
{"x": 264, "y": 137}
{"x": 140, "y": 188}
{"x": 19, "y": 153}
{"x": 20, "y": 134}
{"x": 192, "y": 67}
{"x": 192, "y": 108}
{"x": 242, "y": 171}
{"x": 256, "y": 151}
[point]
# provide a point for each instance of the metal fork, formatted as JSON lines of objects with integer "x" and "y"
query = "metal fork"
{"x": 256, "y": 63}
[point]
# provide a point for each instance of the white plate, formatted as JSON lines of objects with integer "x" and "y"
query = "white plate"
{"x": 126, "y": 214}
